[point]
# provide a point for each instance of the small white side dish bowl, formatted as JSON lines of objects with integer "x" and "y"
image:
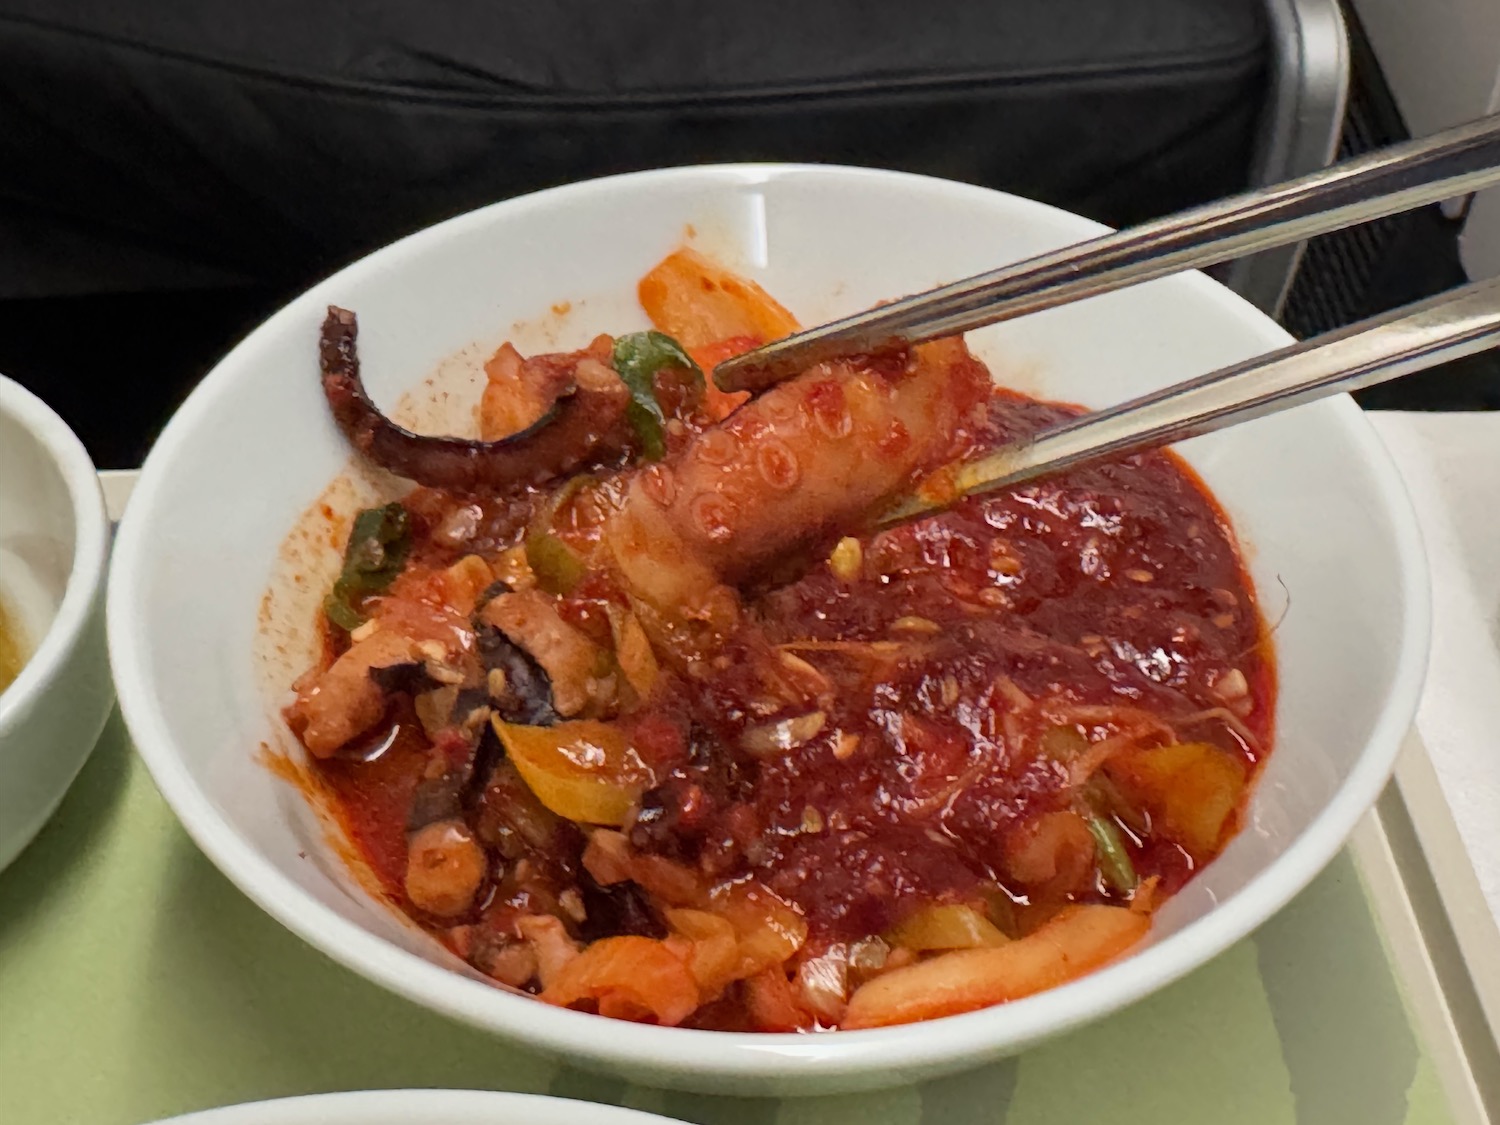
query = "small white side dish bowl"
{"x": 417, "y": 1107}
{"x": 54, "y": 539}
{"x": 1326, "y": 526}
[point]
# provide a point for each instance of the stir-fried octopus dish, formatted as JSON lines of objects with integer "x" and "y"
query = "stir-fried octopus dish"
{"x": 634, "y": 705}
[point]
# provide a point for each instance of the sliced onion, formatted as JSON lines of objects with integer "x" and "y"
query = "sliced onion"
{"x": 782, "y": 735}
{"x": 824, "y": 984}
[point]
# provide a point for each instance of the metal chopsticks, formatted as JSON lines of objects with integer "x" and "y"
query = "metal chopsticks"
{"x": 1399, "y": 178}
{"x": 1409, "y": 339}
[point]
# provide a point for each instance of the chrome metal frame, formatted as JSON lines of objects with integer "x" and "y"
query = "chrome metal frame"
{"x": 1300, "y": 127}
{"x": 1373, "y": 185}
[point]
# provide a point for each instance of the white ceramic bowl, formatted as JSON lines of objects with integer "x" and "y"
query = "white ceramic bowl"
{"x": 54, "y": 538}
{"x": 417, "y": 1107}
{"x": 1319, "y": 506}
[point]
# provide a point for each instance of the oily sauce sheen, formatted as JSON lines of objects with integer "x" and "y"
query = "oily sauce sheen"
{"x": 1103, "y": 585}
{"x": 620, "y": 705}
{"x": 1106, "y": 587}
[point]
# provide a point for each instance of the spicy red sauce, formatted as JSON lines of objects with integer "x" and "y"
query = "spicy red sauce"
{"x": 1110, "y": 586}
{"x": 1106, "y": 591}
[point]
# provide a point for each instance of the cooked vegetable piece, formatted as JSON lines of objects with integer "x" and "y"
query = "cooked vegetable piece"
{"x": 638, "y": 971}
{"x": 466, "y": 581}
{"x": 1104, "y": 797}
{"x": 1063, "y": 744}
{"x": 1114, "y": 859}
{"x": 770, "y": 929}
{"x": 846, "y": 559}
{"x": 700, "y": 303}
{"x": 1190, "y": 789}
{"x": 867, "y": 958}
{"x": 772, "y": 1002}
{"x": 557, "y": 566}
{"x": 1054, "y": 850}
{"x": 637, "y": 358}
{"x": 714, "y": 314}
{"x": 717, "y": 404}
{"x": 715, "y": 954}
{"x": 549, "y": 940}
{"x": 1077, "y": 940}
{"x": 710, "y": 356}
{"x": 946, "y": 926}
{"x": 583, "y": 770}
{"x": 638, "y": 663}
{"x": 782, "y": 735}
{"x": 378, "y": 545}
{"x": 822, "y": 985}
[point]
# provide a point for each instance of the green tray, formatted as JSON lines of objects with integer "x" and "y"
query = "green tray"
{"x": 136, "y": 982}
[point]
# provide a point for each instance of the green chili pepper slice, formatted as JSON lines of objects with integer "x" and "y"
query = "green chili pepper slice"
{"x": 378, "y": 545}
{"x": 637, "y": 359}
{"x": 557, "y": 566}
{"x": 1114, "y": 860}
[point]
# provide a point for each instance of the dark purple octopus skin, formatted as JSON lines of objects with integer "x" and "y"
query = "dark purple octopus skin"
{"x": 582, "y": 424}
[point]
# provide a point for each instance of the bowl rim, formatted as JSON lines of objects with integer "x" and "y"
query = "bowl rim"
{"x": 750, "y": 1056}
{"x": 90, "y": 550}
{"x": 424, "y": 1107}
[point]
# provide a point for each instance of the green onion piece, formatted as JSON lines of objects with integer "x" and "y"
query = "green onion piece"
{"x": 557, "y": 568}
{"x": 637, "y": 359}
{"x": 1063, "y": 744}
{"x": 342, "y": 614}
{"x": 1105, "y": 798}
{"x": 378, "y": 545}
{"x": 1000, "y": 909}
{"x": 1114, "y": 860}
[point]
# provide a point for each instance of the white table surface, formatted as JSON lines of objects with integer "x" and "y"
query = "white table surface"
{"x": 1451, "y": 463}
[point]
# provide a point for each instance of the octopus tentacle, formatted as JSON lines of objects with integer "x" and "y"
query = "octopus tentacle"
{"x": 815, "y": 454}
{"x": 587, "y": 420}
